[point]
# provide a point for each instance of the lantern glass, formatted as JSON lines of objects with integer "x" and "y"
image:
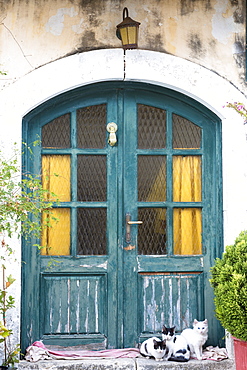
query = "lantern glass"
{"x": 129, "y": 37}
{"x": 124, "y": 36}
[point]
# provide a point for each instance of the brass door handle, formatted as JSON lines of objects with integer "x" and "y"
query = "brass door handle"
{"x": 112, "y": 128}
{"x": 128, "y": 224}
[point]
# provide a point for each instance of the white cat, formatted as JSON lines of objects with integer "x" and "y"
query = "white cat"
{"x": 178, "y": 349}
{"x": 196, "y": 337}
{"x": 153, "y": 347}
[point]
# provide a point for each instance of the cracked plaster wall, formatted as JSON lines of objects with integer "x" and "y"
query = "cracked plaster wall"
{"x": 208, "y": 32}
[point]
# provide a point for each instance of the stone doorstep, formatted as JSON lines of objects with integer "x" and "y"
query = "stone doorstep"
{"x": 126, "y": 364}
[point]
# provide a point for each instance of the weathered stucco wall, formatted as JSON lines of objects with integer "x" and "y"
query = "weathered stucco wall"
{"x": 208, "y": 32}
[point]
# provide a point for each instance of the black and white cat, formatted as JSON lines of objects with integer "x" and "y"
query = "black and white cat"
{"x": 178, "y": 348}
{"x": 153, "y": 347}
{"x": 196, "y": 337}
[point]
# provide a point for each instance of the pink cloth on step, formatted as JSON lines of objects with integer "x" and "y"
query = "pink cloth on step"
{"x": 38, "y": 351}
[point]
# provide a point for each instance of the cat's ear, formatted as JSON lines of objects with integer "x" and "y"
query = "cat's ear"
{"x": 205, "y": 321}
{"x": 155, "y": 342}
{"x": 173, "y": 328}
{"x": 196, "y": 322}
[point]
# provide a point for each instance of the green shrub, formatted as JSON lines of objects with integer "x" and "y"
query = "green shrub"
{"x": 229, "y": 281}
{"x": 22, "y": 201}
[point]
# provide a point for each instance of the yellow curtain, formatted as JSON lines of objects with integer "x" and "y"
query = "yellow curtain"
{"x": 56, "y": 178}
{"x": 187, "y": 230}
{"x": 56, "y": 238}
{"x": 186, "y": 179}
{"x": 187, "y": 222}
{"x": 56, "y": 175}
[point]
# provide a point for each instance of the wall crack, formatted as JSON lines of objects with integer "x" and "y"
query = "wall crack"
{"x": 14, "y": 38}
{"x": 124, "y": 64}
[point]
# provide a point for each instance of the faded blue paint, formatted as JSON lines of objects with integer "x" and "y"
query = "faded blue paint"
{"x": 122, "y": 297}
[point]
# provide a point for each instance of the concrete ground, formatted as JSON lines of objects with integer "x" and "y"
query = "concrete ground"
{"x": 126, "y": 364}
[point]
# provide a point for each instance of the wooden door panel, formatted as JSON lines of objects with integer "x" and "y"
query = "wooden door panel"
{"x": 170, "y": 299}
{"x": 74, "y": 305}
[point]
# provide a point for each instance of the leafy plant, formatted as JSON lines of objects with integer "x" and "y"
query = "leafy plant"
{"x": 22, "y": 201}
{"x": 12, "y": 357}
{"x": 229, "y": 281}
{"x": 11, "y": 354}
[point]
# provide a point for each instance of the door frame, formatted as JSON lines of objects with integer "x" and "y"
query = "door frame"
{"x": 87, "y": 91}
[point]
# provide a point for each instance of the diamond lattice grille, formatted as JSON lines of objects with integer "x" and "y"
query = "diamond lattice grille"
{"x": 187, "y": 231}
{"x": 91, "y": 178}
{"x": 56, "y": 134}
{"x": 56, "y": 176}
{"x": 151, "y": 178}
{"x": 91, "y": 126}
{"x": 152, "y": 233}
{"x": 91, "y": 235}
{"x": 151, "y": 127}
{"x": 185, "y": 133}
{"x": 187, "y": 186}
{"x": 56, "y": 238}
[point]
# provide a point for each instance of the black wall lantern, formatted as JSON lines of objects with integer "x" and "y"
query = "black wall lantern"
{"x": 127, "y": 31}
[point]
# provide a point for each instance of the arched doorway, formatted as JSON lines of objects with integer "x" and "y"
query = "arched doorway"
{"x": 114, "y": 282}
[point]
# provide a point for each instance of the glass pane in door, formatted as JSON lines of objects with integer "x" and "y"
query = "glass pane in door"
{"x": 56, "y": 176}
{"x": 91, "y": 231}
{"x": 152, "y": 234}
{"x": 187, "y": 231}
{"x": 151, "y": 178}
{"x": 91, "y": 178}
{"x": 187, "y": 179}
{"x": 151, "y": 127}
{"x": 56, "y": 134}
{"x": 55, "y": 240}
{"x": 186, "y": 135}
{"x": 91, "y": 123}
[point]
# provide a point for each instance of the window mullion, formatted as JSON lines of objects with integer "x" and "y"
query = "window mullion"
{"x": 73, "y": 210}
{"x": 169, "y": 185}
{"x": 73, "y": 130}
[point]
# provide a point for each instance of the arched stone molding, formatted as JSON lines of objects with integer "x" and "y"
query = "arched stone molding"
{"x": 103, "y": 65}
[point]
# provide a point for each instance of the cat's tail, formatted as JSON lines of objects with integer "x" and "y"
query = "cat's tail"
{"x": 178, "y": 358}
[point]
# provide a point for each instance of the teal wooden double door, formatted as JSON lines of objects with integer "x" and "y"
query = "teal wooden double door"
{"x": 137, "y": 173}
